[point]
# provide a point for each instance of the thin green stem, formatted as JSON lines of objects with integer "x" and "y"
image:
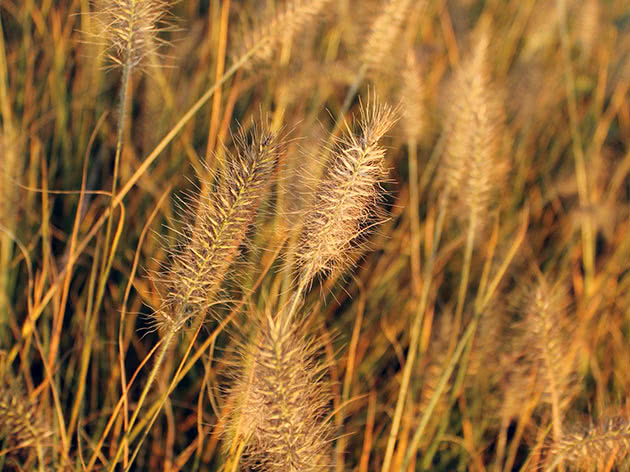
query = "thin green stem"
{"x": 426, "y": 416}
{"x": 124, "y": 87}
{"x": 463, "y": 282}
{"x": 416, "y": 330}
{"x": 459, "y": 379}
{"x": 147, "y": 387}
{"x": 588, "y": 242}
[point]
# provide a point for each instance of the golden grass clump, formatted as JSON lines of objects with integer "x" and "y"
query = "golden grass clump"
{"x": 218, "y": 225}
{"x": 263, "y": 39}
{"x": 595, "y": 446}
{"x": 131, "y": 29}
{"x": 474, "y": 128}
{"x": 346, "y": 204}
{"x": 345, "y": 296}
{"x": 281, "y": 401}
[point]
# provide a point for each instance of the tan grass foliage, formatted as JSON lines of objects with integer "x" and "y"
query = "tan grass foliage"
{"x": 355, "y": 228}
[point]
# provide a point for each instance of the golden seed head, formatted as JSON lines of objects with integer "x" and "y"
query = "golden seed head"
{"x": 218, "y": 225}
{"x": 265, "y": 37}
{"x": 131, "y": 29}
{"x": 384, "y": 33}
{"x": 21, "y": 425}
{"x": 346, "y": 203}
{"x": 413, "y": 99}
{"x": 282, "y": 400}
{"x": 588, "y": 447}
{"x": 546, "y": 336}
{"x": 473, "y": 167}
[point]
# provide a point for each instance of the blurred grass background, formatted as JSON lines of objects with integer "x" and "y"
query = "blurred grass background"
{"x": 72, "y": 331}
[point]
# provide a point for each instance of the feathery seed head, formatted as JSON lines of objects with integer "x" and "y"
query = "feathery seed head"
{"x": 383, "y": 34}
{"x": 546, "y": 339}
{"x": 281, "y": 400}
{"x": 218, "y": 227}
{"x": 131, "y": 28}
{"x": 20, "y": 423}
{"x": 413, "y": 99}
{"x": 596, "y": 444}
{"x": 346, "y": 203}
{"x": 474, "y": 127}
{"x": 265, "y": 38}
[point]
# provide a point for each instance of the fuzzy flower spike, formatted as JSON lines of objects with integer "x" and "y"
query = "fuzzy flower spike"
{"x": 131, "y": 29}
{"x": 346, "y": 204}
{"x": 217, "y": 227}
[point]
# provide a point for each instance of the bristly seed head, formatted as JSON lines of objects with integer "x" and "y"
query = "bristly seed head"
{"x": 21, "y": 425}
{"x": 384, "y": 32}
{"x": 281, "y": 401}
{"x": 217, "y": 227}
{"x": 589, "y": 447}
{"x": 346, "y": 204}
{"x": 131, "y": 29}
{"x": 289, "y": 19}
{"x": 474, "y": 126}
